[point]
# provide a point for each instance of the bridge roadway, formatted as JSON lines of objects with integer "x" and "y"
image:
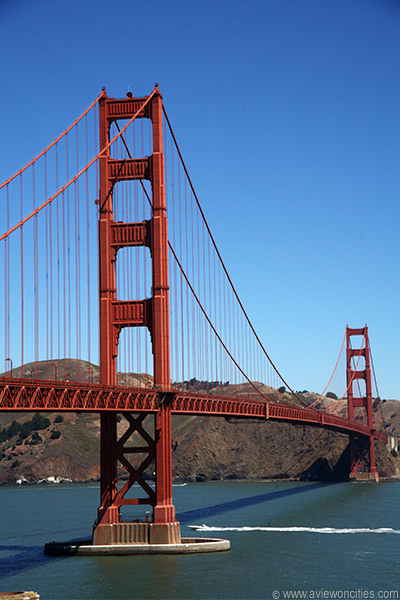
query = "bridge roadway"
{"x": 39, "y": 395}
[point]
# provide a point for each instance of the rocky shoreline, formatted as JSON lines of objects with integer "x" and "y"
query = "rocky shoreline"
{"x": 204, "y": 449}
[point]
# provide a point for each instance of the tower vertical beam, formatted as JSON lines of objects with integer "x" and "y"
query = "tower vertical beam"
{"x": 108, "y": 513}
{"x": 349, "y": 376}
{"x": 164, "y": 511}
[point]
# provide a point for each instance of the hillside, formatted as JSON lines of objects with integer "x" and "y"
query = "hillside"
{"x": 67, "y": 445}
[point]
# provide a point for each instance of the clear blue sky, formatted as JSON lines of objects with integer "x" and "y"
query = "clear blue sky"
{"x": 287, "y": 113}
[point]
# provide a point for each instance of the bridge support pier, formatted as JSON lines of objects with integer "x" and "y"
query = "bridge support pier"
{"x": 137, "y": 533}
{"x": 362, "y": 459}
{"x": 124, "y": 451}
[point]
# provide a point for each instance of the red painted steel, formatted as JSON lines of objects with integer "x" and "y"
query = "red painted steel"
{"x": 152, "y": 313}
{"x": 108, "y": 511}
{"x": 129, "y": 234}
{"x": 362, "y": 456}
{"x": 164, "y": 510}
{"x": 22, "y": 394}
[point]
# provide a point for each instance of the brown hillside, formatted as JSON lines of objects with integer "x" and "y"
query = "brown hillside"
{"x": 203, "y": 448}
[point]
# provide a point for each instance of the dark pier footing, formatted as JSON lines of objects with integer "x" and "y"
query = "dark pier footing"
{"x": 186, "y": 546}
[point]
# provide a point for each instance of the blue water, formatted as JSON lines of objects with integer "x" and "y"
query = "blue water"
{"x": 269, "y": 553}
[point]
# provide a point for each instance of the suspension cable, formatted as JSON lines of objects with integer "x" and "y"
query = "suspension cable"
{"x": 222, "y": 262}
{"x": 53, "y": 143}
{"x": 376, "y": 387}
{"x": 191, "y": 287}
{"x": 350, "y": 383}
{"x": 37, "y": 210}
{"x": 212, "y": 326}
{"x": 333, "y": 372}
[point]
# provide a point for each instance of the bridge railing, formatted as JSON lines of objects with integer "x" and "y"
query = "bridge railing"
{"x": 22, "y": 395}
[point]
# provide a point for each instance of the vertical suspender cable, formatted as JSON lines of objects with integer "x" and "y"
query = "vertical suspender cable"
{"x": 68, "y": 262}
{"x": 35, "y": 274}
{"x": 88, "y": 249}
{"x": 182, "y": 340}
{"x": 22, "y": 280}
{"x": 58, "y": 267}
{"x": 188, "y": 332}
{"x": 77, "y": 254}
{"x": 64, "y": 304}
{"x": 51, "y": 274}
{"x": 7, "y": 281}
{"x": 47, "y": 274}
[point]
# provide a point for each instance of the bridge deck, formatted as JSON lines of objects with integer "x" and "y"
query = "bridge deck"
{"x": 28, "y": 395}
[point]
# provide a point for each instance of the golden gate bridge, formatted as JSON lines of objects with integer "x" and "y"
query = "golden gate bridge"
{"x": 106, "y": 255}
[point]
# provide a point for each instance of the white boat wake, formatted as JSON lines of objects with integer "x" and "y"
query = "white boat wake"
{"x": 297, "y": 529}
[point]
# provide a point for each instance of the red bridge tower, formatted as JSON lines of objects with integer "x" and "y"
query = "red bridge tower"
{"x": 152, "y": 313}
{"x": 362, "y": 449}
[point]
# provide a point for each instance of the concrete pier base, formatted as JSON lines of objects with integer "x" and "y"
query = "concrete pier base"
{"x": 137, "y": 533}
{"x": 119, "y": 539}
{"x": 186, "y": 546}
{"x": 365, "y": 476}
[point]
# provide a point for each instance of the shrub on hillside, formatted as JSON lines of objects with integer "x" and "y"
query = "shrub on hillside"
{"x": 40, "y": 422}
{"x": 13, "y": 429}
{"x": 23, "y": 430}
{"x": 36, "y": 439}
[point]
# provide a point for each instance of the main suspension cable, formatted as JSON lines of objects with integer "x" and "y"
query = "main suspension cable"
{"x": 349, "y": 385}
{"x": 66, "y": 186}
{"x": 331, "y": 377}
{"x": 191, "y": 287}
{"x": 223, "y": 264}
{"x": 53, "y": 143}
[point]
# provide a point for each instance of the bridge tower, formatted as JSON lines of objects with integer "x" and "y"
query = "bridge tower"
{"x": 152, "y": 313}
{"x": 362, "y": 449}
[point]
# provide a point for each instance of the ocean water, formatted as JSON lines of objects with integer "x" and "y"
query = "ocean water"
{"x": 286, "y": 538}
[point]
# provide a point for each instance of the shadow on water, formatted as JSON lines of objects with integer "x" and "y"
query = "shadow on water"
{"x": 24, "y": 558}
{"x": 217, "y": 509}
